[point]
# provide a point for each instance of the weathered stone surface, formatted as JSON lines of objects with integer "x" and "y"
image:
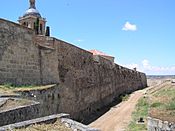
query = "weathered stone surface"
{"x": 19, "y": 114}
{"x": 41, "y": 120}
{"x": 76, "y": 125}
{"x": 85, "y": 83}
{"x": 159, "y": 125}
{"x": 19, "y": 62}
{"x": 48, "y": 98}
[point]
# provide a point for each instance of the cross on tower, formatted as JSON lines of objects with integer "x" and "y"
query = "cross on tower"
{"x": 32, "y": 4}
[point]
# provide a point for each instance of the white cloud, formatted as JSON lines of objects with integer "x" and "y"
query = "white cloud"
{"x": 145, "y": 63}
{"x": 156, "y": 69}
{"x": 149, "y": 69}
{"x": 133, "y": 65}
{"x": 80, "y": 40}
{"x": 129, "y": 27}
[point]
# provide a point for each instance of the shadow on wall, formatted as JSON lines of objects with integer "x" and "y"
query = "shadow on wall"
{"x": 100, "y": 111}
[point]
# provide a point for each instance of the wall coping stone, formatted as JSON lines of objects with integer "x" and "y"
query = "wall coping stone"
{"x": 20, "y": 107}
{"x": 76, "y": 125}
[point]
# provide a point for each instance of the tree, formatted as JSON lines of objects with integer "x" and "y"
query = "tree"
{"x": 37, "y": 26}
{"x": 47, "y": 31}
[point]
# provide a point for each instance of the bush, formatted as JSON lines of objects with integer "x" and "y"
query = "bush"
{"x": 156, "y": 104}
{"x": 171, "y": 105}
{"x": 124, "y": 97}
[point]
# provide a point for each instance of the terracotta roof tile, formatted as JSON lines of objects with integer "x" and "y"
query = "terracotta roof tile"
{"x": 96, "y": 52}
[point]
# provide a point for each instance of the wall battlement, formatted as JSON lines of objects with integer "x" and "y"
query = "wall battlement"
{"x": 86, "y": 81}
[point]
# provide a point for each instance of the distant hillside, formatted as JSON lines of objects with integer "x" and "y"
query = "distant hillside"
{"x": 160, "y": 76}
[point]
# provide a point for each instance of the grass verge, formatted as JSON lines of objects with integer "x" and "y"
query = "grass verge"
{"x": 162, "y": 104}
{"x": 141, "y": 111}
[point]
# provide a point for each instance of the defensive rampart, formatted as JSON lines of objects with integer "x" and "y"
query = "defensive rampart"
{"x": 86, "y": 82}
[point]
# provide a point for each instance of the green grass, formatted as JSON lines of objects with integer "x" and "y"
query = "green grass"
{"x": 168, "y": 93}
{"x": 11, "y": 86}
{"x": 8, "y": 85}
{"x": 157, "y": 104}
{"x": 165, "y": 92}
{"x": 141, "y": 111}
{"x": 170, "y": 105}
{"x": 162, "y": 100}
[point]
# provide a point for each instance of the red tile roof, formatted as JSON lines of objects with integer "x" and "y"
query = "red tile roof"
{"x": 96, "y": 52}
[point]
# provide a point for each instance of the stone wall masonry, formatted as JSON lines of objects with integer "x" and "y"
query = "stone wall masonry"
{"x": 49, "y": 98}
{"x": 87, "y": 83}
{"x": 159, "y": 125}
{"x": 48, "y": 60}
{"x": 19, "y": 62}
{"x": 84, "y": 83}
{"x": 40, "y": 120}
{"x": 20, "y": 114}
{"x": 90, "y": 84}
{"x": 74, "y": 125}
{"x": 26, "y": 59}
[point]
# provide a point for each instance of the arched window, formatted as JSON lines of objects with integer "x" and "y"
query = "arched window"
{"x": 24, "y": 23}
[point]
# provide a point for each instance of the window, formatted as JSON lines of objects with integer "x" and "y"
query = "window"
{"x": 24, "y": 23}
{"x": 34, "y": 25}
{"x": 41, "y": 28}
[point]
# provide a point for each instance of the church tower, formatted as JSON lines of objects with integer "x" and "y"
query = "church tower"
{"x": 32, "y": 19}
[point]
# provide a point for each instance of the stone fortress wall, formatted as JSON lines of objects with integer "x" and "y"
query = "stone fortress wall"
{"x": 85, "y": 83}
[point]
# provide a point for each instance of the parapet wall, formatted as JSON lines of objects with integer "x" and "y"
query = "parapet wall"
{"x": 86, "y": 82}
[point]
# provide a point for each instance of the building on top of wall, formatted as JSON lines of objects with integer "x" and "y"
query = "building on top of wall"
{"x": 102, "y": 54}
{"x": 33, "y": 19}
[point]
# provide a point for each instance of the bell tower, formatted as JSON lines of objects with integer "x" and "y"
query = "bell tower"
{"x": 32, "y": 19}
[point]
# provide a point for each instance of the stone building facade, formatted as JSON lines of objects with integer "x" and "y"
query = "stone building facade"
{"x": 84, "y": 82}
{"x": 29, "y": 19}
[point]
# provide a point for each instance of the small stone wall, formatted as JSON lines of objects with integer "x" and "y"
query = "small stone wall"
{"x": 49, "y": 99}
{"x": 159, "y": 125}
{"x": 26, "y": 123}
{"x": 19, "y": 114}
{"x": 74, "y": 125}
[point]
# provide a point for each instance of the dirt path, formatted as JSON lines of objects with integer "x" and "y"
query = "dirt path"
{"x": 119, "y": 116}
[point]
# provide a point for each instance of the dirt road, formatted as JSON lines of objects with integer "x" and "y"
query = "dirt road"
{"x": 119, "y": 116}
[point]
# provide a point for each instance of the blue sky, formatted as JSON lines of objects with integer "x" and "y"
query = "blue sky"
{"x": 139, "y": 33}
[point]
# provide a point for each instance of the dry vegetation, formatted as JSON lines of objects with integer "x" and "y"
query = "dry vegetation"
{"x": 158, "y": 103}
{"x": 57, "y": 126}
{"x": 9, "y": 88}
{"x": 12, "y": 103}
{"x": 162, "y": 103}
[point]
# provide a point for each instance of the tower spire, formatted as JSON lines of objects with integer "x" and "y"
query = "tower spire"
{"x": 32, "y": 4}
{"x": 32, "y": 19}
